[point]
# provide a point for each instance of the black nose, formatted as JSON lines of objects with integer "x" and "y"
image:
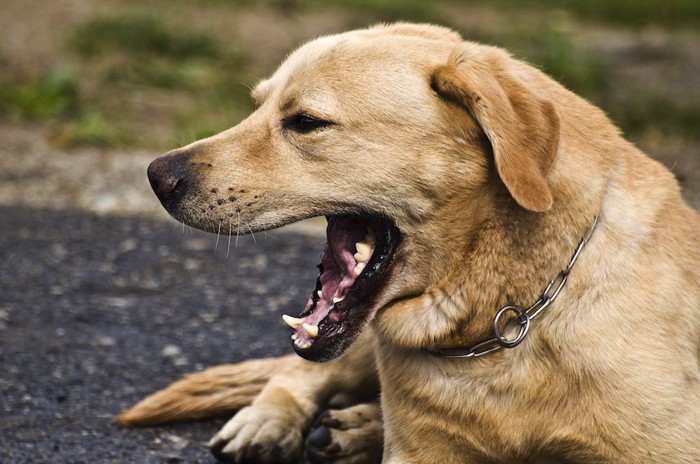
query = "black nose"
{"x": 167, "y": 178}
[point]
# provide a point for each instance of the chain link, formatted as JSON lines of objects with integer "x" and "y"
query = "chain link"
{"x": 521, "y": 317}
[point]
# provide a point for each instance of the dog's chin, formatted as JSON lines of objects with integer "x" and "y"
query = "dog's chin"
{"x": 354, "y": 268}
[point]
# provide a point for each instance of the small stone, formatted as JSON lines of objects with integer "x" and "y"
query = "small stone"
{"x": 171, "y": 351}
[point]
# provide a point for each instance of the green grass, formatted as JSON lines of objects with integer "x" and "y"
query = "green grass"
{"x": 91, "y": 128}
{"x": 52, "y": 96}
{"x": 657, "y": 114}
{"x": 383, "y": 10}
{"x": 551, "y": 47}
{"x": 142, "y": 71}
{"x": 141, "y": 35}
{"x": 620, "y": 12}
{"x": 131, "y": 60}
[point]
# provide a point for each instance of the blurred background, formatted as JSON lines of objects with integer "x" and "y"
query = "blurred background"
{"x": 103, "y": 298}
{"x": 133, "y": 75}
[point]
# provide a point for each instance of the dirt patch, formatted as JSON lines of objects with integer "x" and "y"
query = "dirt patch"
{"x": 33, "y": 174}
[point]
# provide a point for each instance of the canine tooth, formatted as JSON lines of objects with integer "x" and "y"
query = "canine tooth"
{"x": 292, "y": 322}
{"x": 338, "y": 299}
{"x": 364, "y": 250}
{"x": 312, "y": 330}
{"x": 359, "y": 268}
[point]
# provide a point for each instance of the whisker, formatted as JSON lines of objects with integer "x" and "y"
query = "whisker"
{"x": 238, "y": 227}
{"x": 251, "y": 233}
{"x": 218, "y": 234}
{"x": 228, "y": 249}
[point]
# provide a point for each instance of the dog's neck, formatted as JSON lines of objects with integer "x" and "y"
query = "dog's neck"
{"x": 508, "y": 259}
{"x": 511, "y": 323}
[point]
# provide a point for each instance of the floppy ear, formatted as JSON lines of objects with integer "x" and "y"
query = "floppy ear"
{"x": 522, "y": 127}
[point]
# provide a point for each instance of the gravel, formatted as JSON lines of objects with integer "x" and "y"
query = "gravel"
{"x": 96, "y": 312}
{"x": 104, "y": 299}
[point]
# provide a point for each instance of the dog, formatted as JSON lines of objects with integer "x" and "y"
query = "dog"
{"x": 505, "y": 279}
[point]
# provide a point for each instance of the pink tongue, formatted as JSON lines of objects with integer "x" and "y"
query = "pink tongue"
{"x": 338, "y": 263}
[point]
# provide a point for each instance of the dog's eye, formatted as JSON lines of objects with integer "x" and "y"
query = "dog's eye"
{"x": 303, "y": 123}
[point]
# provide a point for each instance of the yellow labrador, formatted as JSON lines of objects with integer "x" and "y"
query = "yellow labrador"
{"x": 520, "y": 282}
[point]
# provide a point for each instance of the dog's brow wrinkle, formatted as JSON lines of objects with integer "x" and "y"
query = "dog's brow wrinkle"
{"x": 289, "y": 104}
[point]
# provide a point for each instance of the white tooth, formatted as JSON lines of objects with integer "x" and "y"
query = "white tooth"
{"x": 359, "y": 268}
{"x": 292, "y": 322}
{"x": 338, "y": 299}
{"x": 312, "y": 330}
{"x": 294, "y": 336}
{"x": 319, "y": 293}
{"x": 364, "y": 250}
{"x": 302, "y": 345}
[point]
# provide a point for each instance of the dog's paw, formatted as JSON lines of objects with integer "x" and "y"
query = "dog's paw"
{"x": 348, "y": 436}
{"x": 258, "y": 435}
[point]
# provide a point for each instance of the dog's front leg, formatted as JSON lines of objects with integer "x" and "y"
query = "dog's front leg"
{"x": 272, "y": 428}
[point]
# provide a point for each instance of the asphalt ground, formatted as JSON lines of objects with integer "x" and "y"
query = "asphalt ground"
{"x": 98, "y": 311}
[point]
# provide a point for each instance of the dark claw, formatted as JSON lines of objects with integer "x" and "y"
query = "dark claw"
{"x": 248, "y": 455}
{"x": 216, "y": 449}
{"x": 275, "y": 454}
{"x": 320, "y": 447}
{"x": 320, "y": 437}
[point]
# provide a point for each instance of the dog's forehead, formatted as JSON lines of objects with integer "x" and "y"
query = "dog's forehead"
{"x": 357, "y": 55}
{"x": 303, "y": 57}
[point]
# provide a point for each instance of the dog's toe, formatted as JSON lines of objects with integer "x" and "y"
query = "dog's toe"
{"x": 258, "y": 436}
{"x": 352, "y": 435}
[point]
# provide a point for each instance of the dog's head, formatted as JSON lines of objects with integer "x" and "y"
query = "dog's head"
{"x": 403, "y": 136}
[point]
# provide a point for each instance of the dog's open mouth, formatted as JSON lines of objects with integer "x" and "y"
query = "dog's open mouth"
{"x": 354, "y": 265}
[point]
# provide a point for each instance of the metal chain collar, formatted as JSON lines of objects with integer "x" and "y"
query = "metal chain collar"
{"x": 521, "y": 317}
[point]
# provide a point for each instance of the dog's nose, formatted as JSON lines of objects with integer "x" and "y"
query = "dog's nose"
{"x": 167, "y": 178}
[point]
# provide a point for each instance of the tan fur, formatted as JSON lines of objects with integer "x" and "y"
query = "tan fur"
{"x": 215, "y": 391}
{"x": 493, "y": 172}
